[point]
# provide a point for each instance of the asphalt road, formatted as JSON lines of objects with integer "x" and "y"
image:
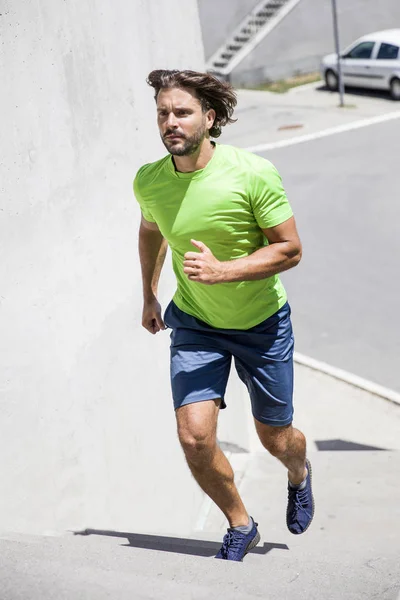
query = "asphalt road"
{"x": 345, "y": 294}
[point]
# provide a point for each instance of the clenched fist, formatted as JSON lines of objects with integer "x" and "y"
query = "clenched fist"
{"x": 151, "y": 317}
{"x": 203, "y": 266}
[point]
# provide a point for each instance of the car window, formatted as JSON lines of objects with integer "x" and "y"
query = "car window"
{"x": 388, "y": 51}
{"x": 362, "y": 50}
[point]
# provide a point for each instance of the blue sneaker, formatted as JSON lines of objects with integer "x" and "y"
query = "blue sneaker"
{"x": 237, "y": 544}
{"x": 300, "y": 508}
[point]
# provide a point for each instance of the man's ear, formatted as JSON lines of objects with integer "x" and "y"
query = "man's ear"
{"x": 211, "y": 114}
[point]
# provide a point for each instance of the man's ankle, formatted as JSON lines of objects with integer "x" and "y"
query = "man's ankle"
{"x": 295, "y": 479}
{"x": 240, "y": 521}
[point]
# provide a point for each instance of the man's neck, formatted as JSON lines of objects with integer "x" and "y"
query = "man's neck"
{"x": 196, "y": 161}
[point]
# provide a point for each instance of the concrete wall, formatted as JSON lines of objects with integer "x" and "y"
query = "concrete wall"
{"x": 87, "y": 430}
{"x": 298, "y": 42}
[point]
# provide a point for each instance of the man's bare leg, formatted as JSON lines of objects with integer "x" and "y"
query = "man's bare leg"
{"x": 288, "y": 445}
{"x": 197, "y": 431}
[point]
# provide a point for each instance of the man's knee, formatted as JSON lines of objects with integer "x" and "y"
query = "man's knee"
{"x": 275, "y": 439}
{"x": 197, "y": 445}
{"x": 276, "y": 446}
{"x": 197, "y": 425}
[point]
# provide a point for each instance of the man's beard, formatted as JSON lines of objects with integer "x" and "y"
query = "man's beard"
{"x": 189, "y": 145}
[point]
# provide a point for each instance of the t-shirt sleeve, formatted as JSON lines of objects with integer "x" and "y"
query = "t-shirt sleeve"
{"x": 268, "y": 197}
{"x": 139, "y": 197}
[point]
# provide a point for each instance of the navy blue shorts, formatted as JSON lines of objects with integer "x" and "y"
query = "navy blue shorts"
{"x": 201, "y": 358}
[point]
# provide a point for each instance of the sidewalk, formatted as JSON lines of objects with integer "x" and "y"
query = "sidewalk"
{"x": 267, "y": 117}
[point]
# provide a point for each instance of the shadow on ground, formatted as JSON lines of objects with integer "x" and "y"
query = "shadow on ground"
{"x": 344, "y": 445}
{"x": 174, "y": 545}
{"x": 354, "y": 91}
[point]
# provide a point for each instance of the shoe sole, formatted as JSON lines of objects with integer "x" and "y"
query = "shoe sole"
{"x": 252, "y": 544}
{"x": 309, "y": 469}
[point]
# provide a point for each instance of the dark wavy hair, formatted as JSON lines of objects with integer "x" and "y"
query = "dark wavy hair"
{"x": 211, "y": 92}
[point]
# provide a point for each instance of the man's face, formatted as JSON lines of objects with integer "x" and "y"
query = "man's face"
{"x": 182, "y": 123}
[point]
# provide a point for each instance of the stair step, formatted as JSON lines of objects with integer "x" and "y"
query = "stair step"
{"x": 265, "y": 14}
{"x": 270, "y": 7}
{"x": 234, "y": 47}
{"x": 258, "y": 22}
{"x": 222, "y": 65}
{"x": 227, "y": 56}
{"x": 241, "y": 38}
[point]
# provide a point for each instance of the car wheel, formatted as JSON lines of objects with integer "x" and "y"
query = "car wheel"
{"x": 395, "y": 88}
{"x": 331, "y": 80}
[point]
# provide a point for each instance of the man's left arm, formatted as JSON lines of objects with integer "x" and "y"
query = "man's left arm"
{"x": 282, "y": 253}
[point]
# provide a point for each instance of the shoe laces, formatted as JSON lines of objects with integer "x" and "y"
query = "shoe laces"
{"x": 299, "y": 497}
{"x": 232, "y": 541}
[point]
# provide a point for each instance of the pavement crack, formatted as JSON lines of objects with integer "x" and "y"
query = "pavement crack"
{"x": 294, "y": 578}
{"x": 372, "y": 560}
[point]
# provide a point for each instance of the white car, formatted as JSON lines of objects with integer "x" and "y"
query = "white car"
{"x": 372, "y": 61}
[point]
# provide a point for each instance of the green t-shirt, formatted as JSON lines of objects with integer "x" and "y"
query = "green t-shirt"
{"x": 224, "y": 205}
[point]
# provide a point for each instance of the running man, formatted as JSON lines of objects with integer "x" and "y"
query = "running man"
{"x": 225, "y": 216}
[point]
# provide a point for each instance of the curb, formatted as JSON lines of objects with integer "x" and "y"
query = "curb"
{"x": 306, "y": 86}
{"x": 354, "y": 380}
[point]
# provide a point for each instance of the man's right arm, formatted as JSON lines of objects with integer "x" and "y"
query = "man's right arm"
{"x": 152, "y": 251}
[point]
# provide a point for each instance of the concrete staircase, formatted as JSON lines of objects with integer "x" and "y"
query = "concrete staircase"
{"x": 257, "y": 24}
{"x": 350, "y": 552}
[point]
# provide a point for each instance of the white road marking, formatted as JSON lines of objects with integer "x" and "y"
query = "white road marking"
{"x": 326, "y": 132}
{"x": 354, "y": 380}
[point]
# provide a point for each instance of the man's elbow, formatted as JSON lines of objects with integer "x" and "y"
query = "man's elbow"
{"x": 296, "y": 256}
{"x": 299, "y": 255}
